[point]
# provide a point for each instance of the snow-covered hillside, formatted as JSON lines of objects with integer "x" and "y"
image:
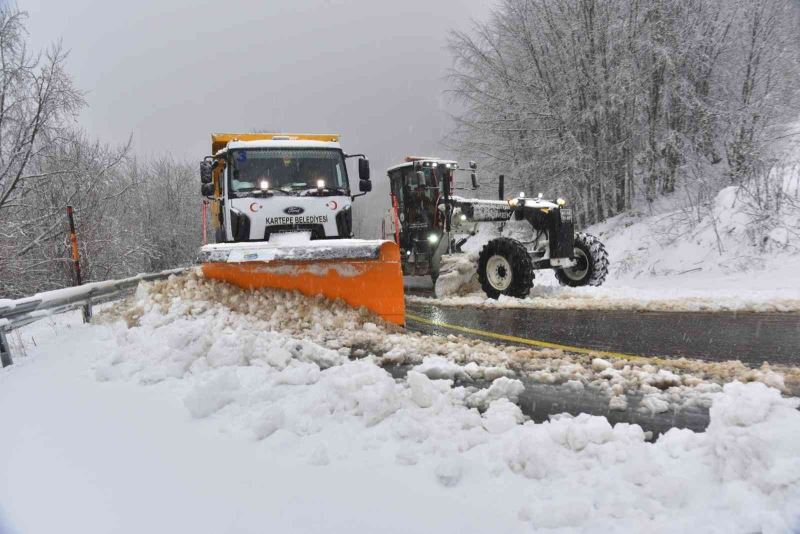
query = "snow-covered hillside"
{"x": 725, "y": 249}
{"x": 198, "y": 407}
{"x": 724, "y": 256}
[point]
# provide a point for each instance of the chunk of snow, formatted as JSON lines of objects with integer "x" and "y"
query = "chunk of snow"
{"x": 208, "y": 397}
{"x": 599, "y": 364}
{"x": 439, "y": 367}
{"x": 501, "y": 416}
{"x": 457, "y": 274}
{"x": 653, "y": 404}
{"x": 501, "y": 388}
{"x": 618, "y": 403}
{"x": 664, "y": 379}
{"x": 423, "y": 390}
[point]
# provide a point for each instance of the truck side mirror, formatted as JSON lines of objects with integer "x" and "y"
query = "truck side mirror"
{"x": 207, "y": 190}
{"x": 474, "y": 179}
{"x": 365, "y": 186}
{"x": 363, "y": 170}
{"x": 206, "y": 168}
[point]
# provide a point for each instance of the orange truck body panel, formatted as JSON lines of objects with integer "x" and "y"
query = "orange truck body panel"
{"x": 221, "y": 140}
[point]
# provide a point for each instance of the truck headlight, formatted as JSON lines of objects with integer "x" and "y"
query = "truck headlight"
{"x": 433, "y": 238}
{"x": 561, "y": 202}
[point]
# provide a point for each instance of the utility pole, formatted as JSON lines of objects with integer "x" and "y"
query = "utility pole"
{"x": 76, "y": 263}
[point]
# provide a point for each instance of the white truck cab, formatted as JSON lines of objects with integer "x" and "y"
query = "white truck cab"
{"x": 263, "y": 186}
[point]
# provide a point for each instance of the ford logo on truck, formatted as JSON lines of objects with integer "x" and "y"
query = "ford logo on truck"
{"x": 293, "y": 210}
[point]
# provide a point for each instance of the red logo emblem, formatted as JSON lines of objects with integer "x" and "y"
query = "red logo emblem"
{"x": 255, "y": 206}
{"x": 332, "y": 204}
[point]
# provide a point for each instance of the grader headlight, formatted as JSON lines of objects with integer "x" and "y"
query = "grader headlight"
{"x": 518, "y": 201}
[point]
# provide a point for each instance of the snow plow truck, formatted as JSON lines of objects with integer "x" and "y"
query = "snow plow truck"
{"x": 281, "y": 210}
{"x": 431, "y": 225}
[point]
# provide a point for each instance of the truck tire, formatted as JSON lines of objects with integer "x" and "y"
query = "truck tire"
{"x": 505, "y": 268}
{"x": 592, "y": 266}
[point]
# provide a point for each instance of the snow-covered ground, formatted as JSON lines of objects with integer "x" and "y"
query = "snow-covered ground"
{"x": 668, "y": 261}
{"x": 196, "y": 407}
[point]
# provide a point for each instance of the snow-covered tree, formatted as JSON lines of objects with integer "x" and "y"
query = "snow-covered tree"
{"x": 605, "y": 101}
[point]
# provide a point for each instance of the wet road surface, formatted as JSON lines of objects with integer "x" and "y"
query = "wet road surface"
{"x": 750, "y": 337}
{"x": 540, "y": 401}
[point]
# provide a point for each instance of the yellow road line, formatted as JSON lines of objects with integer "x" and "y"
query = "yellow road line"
{"x": 526, "y": 341}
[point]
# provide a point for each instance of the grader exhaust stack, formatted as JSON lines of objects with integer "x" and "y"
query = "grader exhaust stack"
{"x": 282, "y": 209}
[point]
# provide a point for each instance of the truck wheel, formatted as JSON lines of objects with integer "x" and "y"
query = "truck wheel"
{"x": 592, "y": 266}
{"x": 505, "y": 268}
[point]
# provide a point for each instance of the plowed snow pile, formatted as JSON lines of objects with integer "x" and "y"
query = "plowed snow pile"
{"x": 303, "y": 378}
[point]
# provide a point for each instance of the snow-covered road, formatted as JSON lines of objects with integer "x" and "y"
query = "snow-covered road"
{"x": 78, "y": 455}
{"x": 234, "y": 412}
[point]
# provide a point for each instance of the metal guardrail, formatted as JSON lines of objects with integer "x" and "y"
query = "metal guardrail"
{"x": 19, "y": 312}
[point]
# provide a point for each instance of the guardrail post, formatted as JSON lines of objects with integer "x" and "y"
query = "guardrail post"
{"x": 5, "y": 350}
{"x": 87, "y": 311}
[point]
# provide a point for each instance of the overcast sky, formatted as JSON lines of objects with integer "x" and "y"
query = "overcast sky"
{"x": 169, "y": 72}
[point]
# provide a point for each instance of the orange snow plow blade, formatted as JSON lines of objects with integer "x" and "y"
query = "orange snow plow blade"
{"x": 359, "y": 272}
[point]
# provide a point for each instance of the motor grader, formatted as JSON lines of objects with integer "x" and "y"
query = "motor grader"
{"x": 431, "y": 225}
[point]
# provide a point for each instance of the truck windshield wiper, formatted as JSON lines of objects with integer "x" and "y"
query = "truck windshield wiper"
{"x": 283, "y": 191}
{"x": 252, "y": 192}
{"x": 326, "y": 192}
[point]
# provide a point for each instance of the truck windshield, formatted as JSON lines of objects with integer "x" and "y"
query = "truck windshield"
{"x": 292, "y": 171}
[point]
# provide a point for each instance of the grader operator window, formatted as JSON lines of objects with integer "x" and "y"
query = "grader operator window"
{"x": 421, "y": 195}
{"x": 290, "y": 171}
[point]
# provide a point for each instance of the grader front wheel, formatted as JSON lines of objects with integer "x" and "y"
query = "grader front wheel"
{"x": 505, "y": 268}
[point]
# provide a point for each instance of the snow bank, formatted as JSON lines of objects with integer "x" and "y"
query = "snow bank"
{"x": 257, "y": 380}
{"x": 302, "y": 379}
{"x": 345, "y": 333}
{"x": 457, "y": 274}
{"x": 719, "y": 257}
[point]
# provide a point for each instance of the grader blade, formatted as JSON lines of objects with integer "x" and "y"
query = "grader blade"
{"x": 359, "y": 272}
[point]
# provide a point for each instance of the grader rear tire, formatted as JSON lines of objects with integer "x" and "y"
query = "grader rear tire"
{"x": 505, "y": 268}
{"x": 592, "y": 266}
